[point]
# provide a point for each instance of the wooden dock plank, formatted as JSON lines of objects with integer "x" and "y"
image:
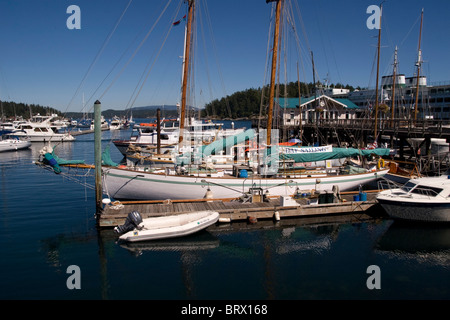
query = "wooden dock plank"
{"x": 236, "y": 211}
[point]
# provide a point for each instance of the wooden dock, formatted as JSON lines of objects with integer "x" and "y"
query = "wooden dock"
{"x": 87, "y": 131}
{"x": 115, "y": 213}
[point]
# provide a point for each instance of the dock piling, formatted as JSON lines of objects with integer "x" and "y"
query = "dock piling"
{"x": 98, "y": 155}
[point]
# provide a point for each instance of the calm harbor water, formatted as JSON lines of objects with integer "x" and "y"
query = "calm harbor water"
{"x": 47, "y": 224}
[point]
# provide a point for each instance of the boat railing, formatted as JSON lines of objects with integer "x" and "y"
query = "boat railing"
{"x": 387, "y": 184}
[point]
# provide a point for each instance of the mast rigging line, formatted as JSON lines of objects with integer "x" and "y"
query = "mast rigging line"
{"x": 108, "y": 38}
{"x": 140, "y": 46}
{"x": 214, "y": 46}
{"x": 261, "y": 106}
{"x": 131, "y": 57}
{"x": 153, "y": 64}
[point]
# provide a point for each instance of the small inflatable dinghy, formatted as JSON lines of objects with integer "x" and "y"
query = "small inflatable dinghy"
{"x": 137, "y": 229}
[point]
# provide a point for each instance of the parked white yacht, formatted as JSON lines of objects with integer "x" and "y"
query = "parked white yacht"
{"x": 12, "y": 143}
{"x": 41, "y": 130}
{"x": 116, "y": 124}
{"x": 144, "y": 137}
{"x": 420, "y": 199}
{"x": 104, "y": 124}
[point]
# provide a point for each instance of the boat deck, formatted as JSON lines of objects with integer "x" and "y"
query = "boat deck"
{"x": 115, "y": 213}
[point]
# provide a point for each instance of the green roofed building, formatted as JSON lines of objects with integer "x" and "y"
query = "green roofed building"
{"x": 314, "y": 108}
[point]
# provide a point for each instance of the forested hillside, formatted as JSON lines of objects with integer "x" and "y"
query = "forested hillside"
{"x": 241, "y": 104}
{"x": 10, "y": 110}
{"x": 246, "y": 104}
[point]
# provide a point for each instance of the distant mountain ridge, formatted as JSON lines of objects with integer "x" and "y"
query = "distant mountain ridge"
{"x": 162, "y": 107}
{"x": 138, "y": 112}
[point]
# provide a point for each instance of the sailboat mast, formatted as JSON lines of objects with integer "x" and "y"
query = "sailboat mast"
{"x": 274, "y": 66}
{"x": 300, "y": 104}
{"x": 186, "y": 68}
{"x": 419, "y": 61}
{"x": 378, "y": 70}
{"x": 394, "y": 76}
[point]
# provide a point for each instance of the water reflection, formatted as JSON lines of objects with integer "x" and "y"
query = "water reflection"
{"x": 422, "y": 243}
{"x": 290, "y": 259}
{"x": 200, "y": 241}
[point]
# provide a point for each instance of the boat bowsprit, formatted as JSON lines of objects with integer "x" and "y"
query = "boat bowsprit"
{"x": 137, "y": 229}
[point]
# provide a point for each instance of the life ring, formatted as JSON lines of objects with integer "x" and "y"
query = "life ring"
{"x": 380, "y": 163}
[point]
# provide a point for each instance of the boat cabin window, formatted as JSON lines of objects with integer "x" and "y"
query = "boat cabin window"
{"x": 408, "y": 186}
{"x": 164, "y": 136}
{"x": 427, "y": 191}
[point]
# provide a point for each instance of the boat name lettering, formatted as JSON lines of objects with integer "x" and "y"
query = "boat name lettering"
{"x": 308, "y": 150}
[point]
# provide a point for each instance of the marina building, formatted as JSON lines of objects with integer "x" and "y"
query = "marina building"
{"x": 314, "y": 109}
{"x": 433, "y": 101}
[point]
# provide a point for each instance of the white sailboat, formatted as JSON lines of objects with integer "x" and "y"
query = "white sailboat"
{"x": 180, "y": 182}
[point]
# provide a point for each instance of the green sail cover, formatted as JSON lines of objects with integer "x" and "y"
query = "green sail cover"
{"x": 106, "y": 158}
{"x": 337, "y": 153}
{"x": 64, "y": 161}
{"x": 227, "y": 142}
{"x": 215, "y": 147}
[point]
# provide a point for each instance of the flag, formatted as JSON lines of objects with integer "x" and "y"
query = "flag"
{"x": 179, "y": 21}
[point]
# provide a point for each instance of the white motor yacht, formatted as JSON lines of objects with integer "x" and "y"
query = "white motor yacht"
{"x": 419, "y": 199}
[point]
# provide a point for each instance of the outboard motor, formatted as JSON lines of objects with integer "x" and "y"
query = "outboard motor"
{"x": 133, "y": 220}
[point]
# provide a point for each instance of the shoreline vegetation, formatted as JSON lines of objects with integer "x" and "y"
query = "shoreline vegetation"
{"x": 241, "y": 105}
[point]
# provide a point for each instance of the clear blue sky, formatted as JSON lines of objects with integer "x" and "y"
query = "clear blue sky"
{"x": 43, "y": 62}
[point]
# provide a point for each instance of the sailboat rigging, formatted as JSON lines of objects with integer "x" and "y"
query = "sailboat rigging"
{"x": 194, "y": 173}
{"x": 190, "y": 179}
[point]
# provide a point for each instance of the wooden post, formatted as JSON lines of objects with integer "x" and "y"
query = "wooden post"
{"x": 158, "y": 131}
{"x": 300, "y": 106}
{"x": 98, "y": 154}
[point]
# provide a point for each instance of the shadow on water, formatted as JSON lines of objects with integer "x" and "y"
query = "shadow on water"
{"x": 416, "y": 239}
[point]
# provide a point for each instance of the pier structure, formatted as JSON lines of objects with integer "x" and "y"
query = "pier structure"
{"x": 359, "y": 133}
{"x": 231, "y": 210}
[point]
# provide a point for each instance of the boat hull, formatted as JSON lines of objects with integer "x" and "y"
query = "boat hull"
{"x": 13, "y": 145}
{"x": 46, "y": 138}
{"x": 127, "y": 184}
{"x": 172, "y": 226}
{"x": 413, "y": 211}
{"x": 127, "y": 147}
